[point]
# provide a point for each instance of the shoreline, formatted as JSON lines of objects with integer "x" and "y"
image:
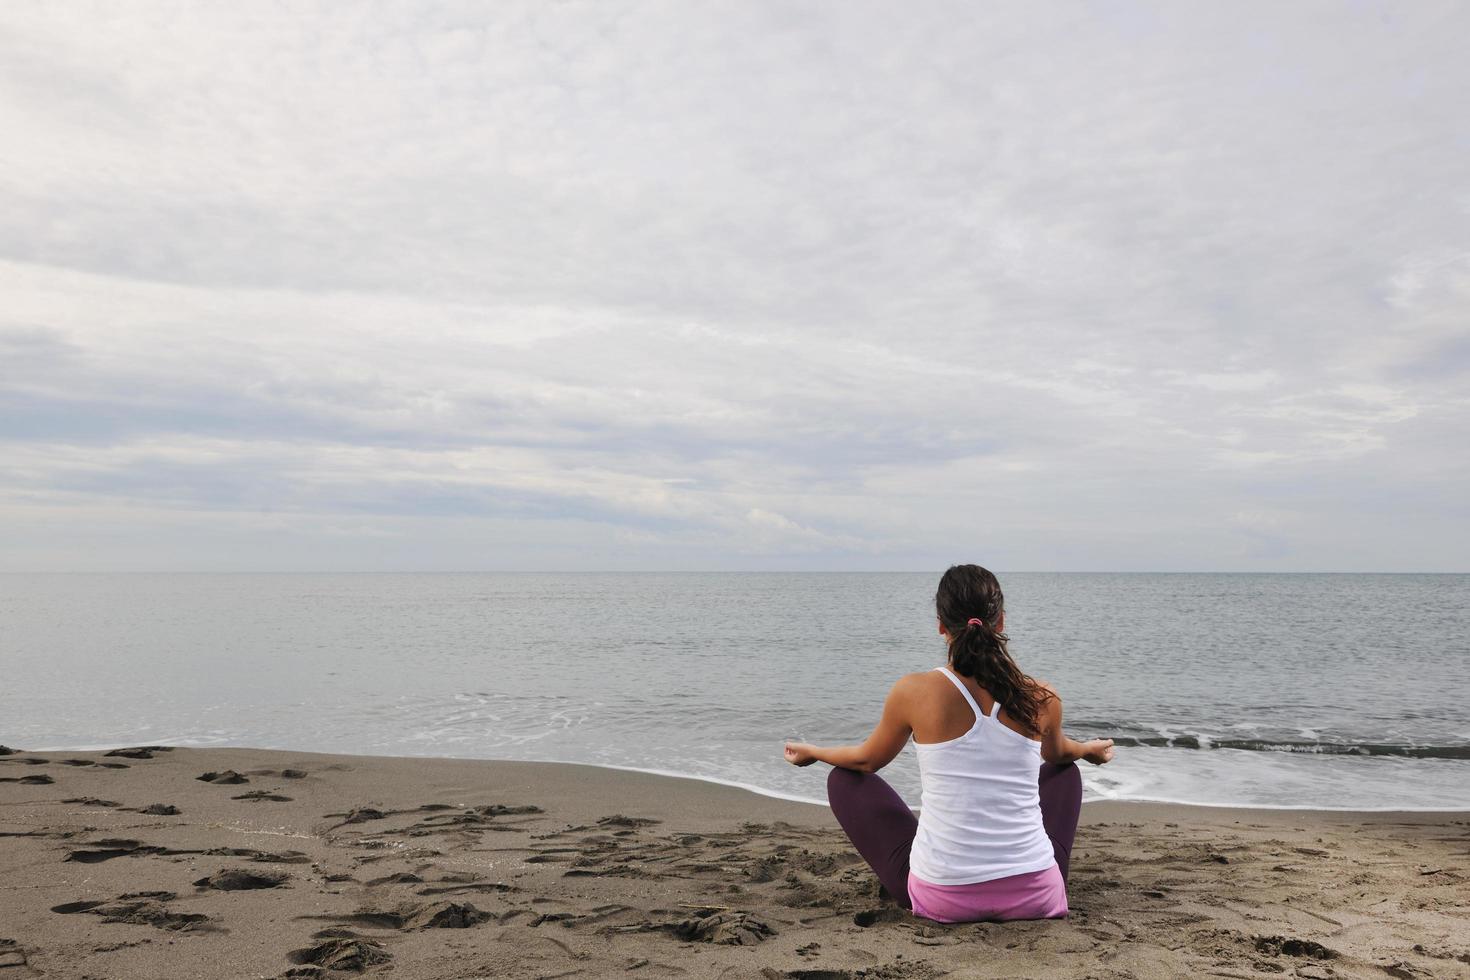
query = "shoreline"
{"x": 306, "y": 864}
{"x": 777, "y": 794}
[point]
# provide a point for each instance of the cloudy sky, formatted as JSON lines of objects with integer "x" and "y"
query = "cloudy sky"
{"x": 734, "y": 285}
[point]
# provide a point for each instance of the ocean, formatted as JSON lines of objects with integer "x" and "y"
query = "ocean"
{"x": 1272, "y": 690}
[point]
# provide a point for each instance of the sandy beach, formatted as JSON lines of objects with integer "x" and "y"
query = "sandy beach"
{"x": 177, "y": 862}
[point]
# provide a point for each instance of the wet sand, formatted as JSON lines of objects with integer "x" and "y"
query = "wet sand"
{"x": 130, "y": 864}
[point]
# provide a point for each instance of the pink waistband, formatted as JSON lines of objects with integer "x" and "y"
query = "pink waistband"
{"x": 1034, "y": 895}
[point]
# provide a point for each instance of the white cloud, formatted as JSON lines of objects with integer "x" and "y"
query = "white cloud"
{"x": 733, "y": 285}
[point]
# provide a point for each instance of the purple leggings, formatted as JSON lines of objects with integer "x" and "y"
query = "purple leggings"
{"x": 881, "y": 826}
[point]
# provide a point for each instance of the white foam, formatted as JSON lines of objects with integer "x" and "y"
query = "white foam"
{"x": 1218, "y": 779}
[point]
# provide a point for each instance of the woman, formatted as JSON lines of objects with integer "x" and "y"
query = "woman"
{"x": 994, "y": 832}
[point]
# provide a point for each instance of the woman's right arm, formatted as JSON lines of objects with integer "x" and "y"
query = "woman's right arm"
{"x": 1057, "y": 747}
{"x": 879, "y": 749}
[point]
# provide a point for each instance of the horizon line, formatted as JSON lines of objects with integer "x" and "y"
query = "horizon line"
{"x": 701, "y": 571}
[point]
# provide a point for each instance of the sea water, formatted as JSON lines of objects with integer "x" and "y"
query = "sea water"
{"x": 1335, "y": 691}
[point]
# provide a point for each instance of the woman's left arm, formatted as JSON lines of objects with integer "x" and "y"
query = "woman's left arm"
{"x": 878, "y": 750}
{"x": 1057, "y": 748}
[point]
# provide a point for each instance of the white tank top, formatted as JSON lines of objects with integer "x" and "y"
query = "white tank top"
{"x": 980, "y": 810}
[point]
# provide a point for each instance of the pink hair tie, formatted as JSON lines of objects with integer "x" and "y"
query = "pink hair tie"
{"x": 976, "y": 622}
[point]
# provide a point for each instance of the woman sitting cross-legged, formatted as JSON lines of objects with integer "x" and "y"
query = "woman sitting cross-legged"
{"x": 999, "y": 788}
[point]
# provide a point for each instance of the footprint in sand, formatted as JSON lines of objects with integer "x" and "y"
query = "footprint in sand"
{"x": 38, "y": 780}
{"x": 619, "y": 820}
{"x": 346, "y": 954}
{"x": 140, "y": 908}
{"x": 90, "y": 801}
{"x": 900, "y": 970}
{"x": 227, "y": 778}
{"x": 359, "y": 814}
{"x": 160, "y": 810}
{"x": 1287, "y": 946}
{"x": 238, "y": 879}
{"x": 721, "y": 927}
{"x": 875, "y": 916}
{"x": 267, "y": 857}
{"x": 139, "y": 751}
{"x": 283, "y": 773}
{"x": 261, "y": 795}
{"x": 115, "y": 847}
{"x": 445, "y": 915}
{"x": 449, "y": 884}
{"x": 915, "y": 971}
{"x": 109, "y": 848}
{"x": 495, "y": 887}
{"x": 12, "y": 954}
{"x": 495, "y": 809}
{"x": 412, "y": 918}
{"x": 470, "y": 818}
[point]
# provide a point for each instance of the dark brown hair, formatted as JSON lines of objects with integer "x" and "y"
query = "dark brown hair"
{"x": 981, "y": 652}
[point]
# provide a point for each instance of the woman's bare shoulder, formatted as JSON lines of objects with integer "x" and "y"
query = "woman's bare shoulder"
{"x": 921, "y": 687}
{"x": 921, "y": 680}
{"x": 1046, "y": 687}
{"x": 1051, "y": 701}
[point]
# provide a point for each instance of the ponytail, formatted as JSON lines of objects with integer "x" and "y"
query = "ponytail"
{"x": 969, "y": 602}
{"x": 981, "y": 653}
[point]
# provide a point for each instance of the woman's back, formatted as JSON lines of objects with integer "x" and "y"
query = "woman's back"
{"x": 980, "y": 811}
{"x": 994, "y": 835}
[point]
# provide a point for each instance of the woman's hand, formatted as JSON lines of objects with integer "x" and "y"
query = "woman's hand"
{"x": 800, "y": 753}
{"x": 1098, "y": 751}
